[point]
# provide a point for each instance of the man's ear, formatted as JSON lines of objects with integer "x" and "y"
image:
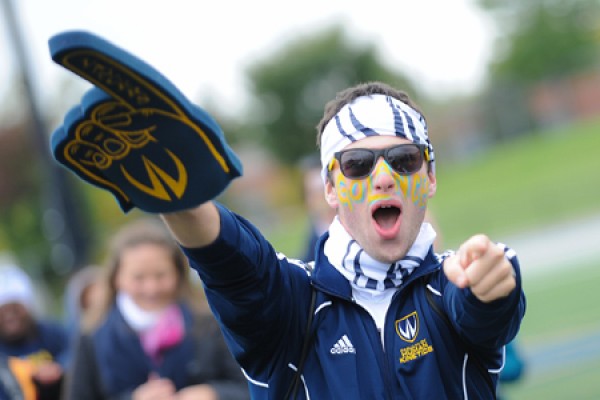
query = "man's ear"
{"x": 331, "y": 194}
{"x": 432, "y": 184}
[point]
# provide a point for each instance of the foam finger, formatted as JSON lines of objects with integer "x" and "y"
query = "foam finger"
{"x": 115, "y": 71}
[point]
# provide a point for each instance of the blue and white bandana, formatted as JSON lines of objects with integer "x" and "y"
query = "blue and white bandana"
{"x": 374, "y": 115}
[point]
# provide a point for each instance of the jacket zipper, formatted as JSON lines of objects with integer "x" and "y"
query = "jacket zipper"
{"x": 382, "y": 358}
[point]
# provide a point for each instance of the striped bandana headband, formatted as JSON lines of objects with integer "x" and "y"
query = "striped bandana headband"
{"x": 374, "y": 115}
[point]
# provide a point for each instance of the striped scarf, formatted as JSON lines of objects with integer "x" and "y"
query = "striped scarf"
{"x": 366, "y": 273}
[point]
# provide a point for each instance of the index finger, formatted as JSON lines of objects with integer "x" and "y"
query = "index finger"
{"x": 473, "y": 248}
{"x": 117, "y": 72}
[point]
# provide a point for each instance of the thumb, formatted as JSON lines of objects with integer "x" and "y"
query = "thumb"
{"x": 455, "y": 271}
{"x": 153, "y": 375}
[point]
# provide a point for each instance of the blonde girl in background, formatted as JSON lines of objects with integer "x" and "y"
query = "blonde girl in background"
{"x": 149, "y": 339}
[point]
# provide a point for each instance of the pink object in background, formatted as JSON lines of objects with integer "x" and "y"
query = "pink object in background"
{"x": 168, "y": 331}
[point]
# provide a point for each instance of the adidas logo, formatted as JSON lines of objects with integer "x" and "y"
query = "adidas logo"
{"x": 343, "y": 346}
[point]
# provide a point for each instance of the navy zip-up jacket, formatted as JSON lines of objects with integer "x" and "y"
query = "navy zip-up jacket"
{"x": 440, "y": 342}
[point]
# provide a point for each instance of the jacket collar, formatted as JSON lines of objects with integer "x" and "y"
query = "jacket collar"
{"x": 329, "y": 280}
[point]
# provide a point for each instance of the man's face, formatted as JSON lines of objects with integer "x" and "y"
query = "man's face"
{"x": 15, "y": 322}
{"x": 384, "y": 211}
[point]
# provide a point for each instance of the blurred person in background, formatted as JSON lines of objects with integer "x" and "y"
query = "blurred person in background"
{"x": 41, "y": 344}
{"x": 83, "y": 293}
{"x": 145, "y": 341}
{"x": 320, "y": 215}
{"x": 15, "y": 379}
{"x": 514, "y": 368}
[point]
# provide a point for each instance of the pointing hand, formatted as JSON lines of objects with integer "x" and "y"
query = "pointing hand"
{"x": 481, "y": 265}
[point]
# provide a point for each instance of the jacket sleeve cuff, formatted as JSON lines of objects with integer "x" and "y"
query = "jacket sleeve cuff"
{"x": 223, "y": 247}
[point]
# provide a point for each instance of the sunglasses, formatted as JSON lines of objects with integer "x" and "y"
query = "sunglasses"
{"x": 405, "y": 159}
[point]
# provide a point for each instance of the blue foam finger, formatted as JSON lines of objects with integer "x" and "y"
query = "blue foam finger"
{"x": 69, "y": 144}
{"x": 135, "y": 134}
{"x": 92, "y": 97}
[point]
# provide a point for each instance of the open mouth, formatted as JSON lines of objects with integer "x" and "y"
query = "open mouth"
{"x": 387, "y": 219}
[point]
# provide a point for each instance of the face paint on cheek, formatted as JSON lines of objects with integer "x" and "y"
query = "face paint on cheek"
{"x": 350, "y": 191}
{"x": 402, "y": 183}
{"x": 419, "y": 190}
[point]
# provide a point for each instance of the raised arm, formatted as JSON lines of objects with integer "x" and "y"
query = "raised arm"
{"x": 196, "y": 227}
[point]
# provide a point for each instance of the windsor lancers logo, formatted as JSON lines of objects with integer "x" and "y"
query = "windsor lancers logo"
{"x": 408, "y": 327}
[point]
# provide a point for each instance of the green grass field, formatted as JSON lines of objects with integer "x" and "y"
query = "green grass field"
{"x": 562, "y": 308}
{"x": 577, "y": 382}
{"x": 524, "y": 184}
{"x": 561, "y": 303}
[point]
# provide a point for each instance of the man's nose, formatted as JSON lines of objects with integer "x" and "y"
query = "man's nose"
{"x": 383, "y": 176}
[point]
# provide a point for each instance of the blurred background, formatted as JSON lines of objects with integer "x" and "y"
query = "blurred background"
{"x": 511, "y": 91}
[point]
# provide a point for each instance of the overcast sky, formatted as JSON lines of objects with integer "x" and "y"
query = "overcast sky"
{"x": 203, "y": 46}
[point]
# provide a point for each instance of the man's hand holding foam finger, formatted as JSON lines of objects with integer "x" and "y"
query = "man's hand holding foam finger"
{"x": 481, "y": 265}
